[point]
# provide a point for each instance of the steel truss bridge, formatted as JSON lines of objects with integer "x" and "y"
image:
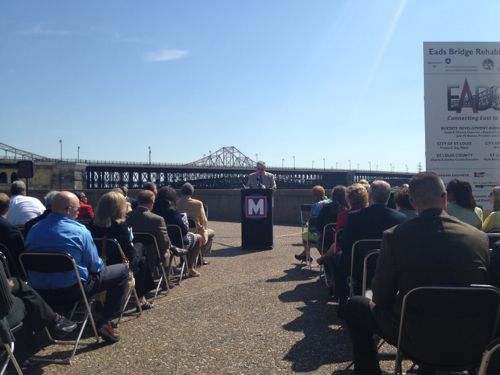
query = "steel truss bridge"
{"x": 110, "y": 176}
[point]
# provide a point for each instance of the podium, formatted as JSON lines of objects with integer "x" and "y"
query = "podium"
{"x": 257, "y": 219}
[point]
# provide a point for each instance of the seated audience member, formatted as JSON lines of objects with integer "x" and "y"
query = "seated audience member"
{"x": 403, "y": 205}
{"x": 85, "y": 212}
{"x": 141, "y": 219}
{"x": 367, "y": 223}
{"x": 330, "y": 213}
{"x": 492, "y": 222}
{"x": 109, "y": 222}
{"x": 194, "y": 210}
{"x": 48, "y": 205}
{"x": 461, "y": 203}
{"x": 311, "y": 234}
{"x": 151, "y": 186}
{"x": 61, "y": 233}
{"x": 20, "y": 303}
{"x": 165, "y": 206}
{"x": 130, "y": 200}
{"x": 434, "y": 248}
{"x": 357, "y": 197}
{"x": 11, "y": 237}
{"x": 22, "y": 208}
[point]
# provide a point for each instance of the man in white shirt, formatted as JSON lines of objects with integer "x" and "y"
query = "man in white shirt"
{"x": 22, "y": 208}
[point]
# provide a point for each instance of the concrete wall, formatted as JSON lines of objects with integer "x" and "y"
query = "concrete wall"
{"x": 224, "y": 205}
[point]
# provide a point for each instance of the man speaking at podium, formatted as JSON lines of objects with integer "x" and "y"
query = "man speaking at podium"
{"x": 261, "y": 179}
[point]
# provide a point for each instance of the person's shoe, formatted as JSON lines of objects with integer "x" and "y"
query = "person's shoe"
{"x": 205, "y": 262}
{"x": 300, "y": 257}
{"x": 62, "y": 325}
{"x": 194, "y": 273}
{"x": 108, "y": 334}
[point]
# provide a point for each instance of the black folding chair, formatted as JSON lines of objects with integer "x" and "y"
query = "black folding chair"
{"x": 149, "y": 240}
{"x": 10, "y": 263}
{"x": 105, "y": 247}
{"x": 183, "y": 258}
{"x": 50, "y": 263}
{"x": 447, "y": 328}
{"x": 323, "y": 242}
{"x": 359, "y": 250}
{"x": 493, "y": 237}
{"x": 5, "y": 263}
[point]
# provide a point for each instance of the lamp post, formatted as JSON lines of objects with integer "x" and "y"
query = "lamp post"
{"x": 293, "y": 161}
{"x": 313, "y": 164}
{"x": 282, "y": 162}
{"x": 406, "y": 166}
{"x": 149, "y": 149}
{"x": 370, "y": 165}
{"x": 78, "y": 154}
{"x": 60, "y": 149}
{"x": 256, "y": 157}
{"x": 349, "y": 164}
{"x": 324, "y": 163}
{"x": 336, "y": 165}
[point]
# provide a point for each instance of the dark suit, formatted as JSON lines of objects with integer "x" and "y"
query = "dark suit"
{"x": 11, "y": 237}
{"x": 431, "y": 249}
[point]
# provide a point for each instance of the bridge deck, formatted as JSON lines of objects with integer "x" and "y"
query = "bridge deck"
{"x": 249, "y": 313}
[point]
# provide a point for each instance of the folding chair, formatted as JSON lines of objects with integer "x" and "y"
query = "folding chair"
{"x": 106, "y": 246}
{"x": 48, "y": 263}
{"x": 488, "y": 353}
{"x": 7, "y": 340}
{"x": 5, "y": 263}
{"x": 323, "y": 240}
{"x": 149, "y": 240}
{"x": 192, "y": 225}
{"x": 183, "y": 260}
{"x": 447, "y": 328}
{"x": 305, "y": 212}
{"x": 359, "y": 249}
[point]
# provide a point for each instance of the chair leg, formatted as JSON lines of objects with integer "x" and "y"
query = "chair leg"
{"x": 10, "y": 357}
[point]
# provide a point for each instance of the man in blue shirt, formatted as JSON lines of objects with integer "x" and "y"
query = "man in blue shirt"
{"x": 60, "y": 233}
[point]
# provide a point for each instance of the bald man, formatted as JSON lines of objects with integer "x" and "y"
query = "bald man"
{"x": 60, "y": 233}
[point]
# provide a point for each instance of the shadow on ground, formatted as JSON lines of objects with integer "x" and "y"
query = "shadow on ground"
{"x": 232, "y": 251}
{"x": 325, "y": 341}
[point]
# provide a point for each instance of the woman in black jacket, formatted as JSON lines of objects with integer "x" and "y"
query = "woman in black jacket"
{"x": 165, "y": 207}
{"x": 109, "y": 221}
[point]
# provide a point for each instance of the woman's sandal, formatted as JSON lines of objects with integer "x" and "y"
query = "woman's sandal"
{"x": 147, "y": 305}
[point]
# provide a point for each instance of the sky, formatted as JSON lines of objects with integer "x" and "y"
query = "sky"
{"x": 327, "y": 82}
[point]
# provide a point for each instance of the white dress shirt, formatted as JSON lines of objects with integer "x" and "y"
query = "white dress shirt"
{"x": 23, "y": 209}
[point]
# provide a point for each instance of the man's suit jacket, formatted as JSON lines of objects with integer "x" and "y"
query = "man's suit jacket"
{"x": 254, "y": 179}
{"x": 143, "y": 220}
{"x": 11, "y": 237}
{"x": 194, "y": 210}
{"x": 432, "y": 249}
{"x": 369, "y": 223}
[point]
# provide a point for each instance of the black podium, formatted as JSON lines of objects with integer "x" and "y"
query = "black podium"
{"x": 257, "y": 219}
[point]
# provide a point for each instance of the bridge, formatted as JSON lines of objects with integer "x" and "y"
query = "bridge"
{"x": 226, "y": 168}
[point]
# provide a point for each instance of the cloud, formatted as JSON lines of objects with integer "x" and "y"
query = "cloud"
{"x": 42, "y": 30}
{"x": 166, "y": 55}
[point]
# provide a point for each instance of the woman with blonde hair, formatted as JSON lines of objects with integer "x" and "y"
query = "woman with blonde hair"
{"x": 109, "y": 221}
{"x": 492, "y": 222}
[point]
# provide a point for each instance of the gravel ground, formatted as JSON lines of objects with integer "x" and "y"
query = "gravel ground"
{"x": 249, "y": 313}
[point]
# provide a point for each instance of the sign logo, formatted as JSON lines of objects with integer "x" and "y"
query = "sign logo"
{"x": 255, "y": 207}
{"x": 482, "y": 99}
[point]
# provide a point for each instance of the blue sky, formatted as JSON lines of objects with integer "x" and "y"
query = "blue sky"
{"x": 334, "y": 79}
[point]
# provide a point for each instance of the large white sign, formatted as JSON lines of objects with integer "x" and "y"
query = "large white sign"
{"x": 462, "y": 113}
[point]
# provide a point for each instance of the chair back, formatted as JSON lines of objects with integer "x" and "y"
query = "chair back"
{"x": 328, "y": 230}
{"x": 369, "y": 265}
{"x": 49, "y": 263}
{"x": 10, "y": 264}
{"x": 109, "y": 250}
{"x": 494, "y": 237}
{"x": 447, "y": 328}
{"x": 176, "y": 229}
{"x": 359, "y": 250}
{"x": 305, "y": 211}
